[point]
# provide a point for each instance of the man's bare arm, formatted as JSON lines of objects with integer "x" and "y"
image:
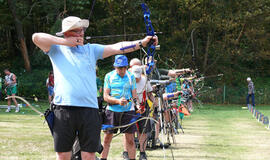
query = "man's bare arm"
{"x": 44, "y": 41}
{"x": 114, "y": 49}
{"x": 14, "y": 79}
{"x": 108, "y": 98}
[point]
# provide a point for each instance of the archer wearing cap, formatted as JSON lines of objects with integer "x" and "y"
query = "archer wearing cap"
{"x": 144, "y": 92}
{"x": 119, "y": 88}
{"x": 75, "y": 84}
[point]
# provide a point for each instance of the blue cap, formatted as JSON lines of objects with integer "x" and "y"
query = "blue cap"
{"x": 120, "y": 61}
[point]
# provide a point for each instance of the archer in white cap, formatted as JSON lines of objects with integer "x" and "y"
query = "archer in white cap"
{"x": 144, "y": 92}
{"x": 75, "y": 89}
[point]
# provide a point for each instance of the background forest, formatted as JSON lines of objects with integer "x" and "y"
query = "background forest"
{"x": 214, "y": 36}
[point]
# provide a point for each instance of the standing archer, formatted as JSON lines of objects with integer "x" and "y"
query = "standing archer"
{"x": 119, "y": 88}
{"x": 75, "y": 101}
{"x": 250, "y": 92}
{"x": 11, "y": 89}
{"x": 50, "y": 86}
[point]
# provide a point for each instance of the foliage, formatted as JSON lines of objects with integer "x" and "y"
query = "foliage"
{"x": 230, "y": 37}
{"x": 33, "y": 84}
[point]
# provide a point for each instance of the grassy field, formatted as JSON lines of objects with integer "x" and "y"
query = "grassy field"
{"x": 212, "y": 132}
{"x": 264, "y": 109}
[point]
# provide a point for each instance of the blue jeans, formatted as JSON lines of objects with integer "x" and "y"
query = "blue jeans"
{"x": 252, "y": 99}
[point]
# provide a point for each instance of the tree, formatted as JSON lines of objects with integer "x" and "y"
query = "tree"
{"x": 19, "y": 29}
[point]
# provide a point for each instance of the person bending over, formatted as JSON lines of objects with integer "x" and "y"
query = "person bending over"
{"x": 11, "y": 89}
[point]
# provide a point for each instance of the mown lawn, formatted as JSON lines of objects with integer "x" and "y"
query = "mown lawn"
{"x": 211, "y": 132}
{"x": 264, "y": 109}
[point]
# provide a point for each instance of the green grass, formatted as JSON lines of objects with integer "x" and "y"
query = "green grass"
{"x": 264, "y": 110}
{"x": 212, "y": 132}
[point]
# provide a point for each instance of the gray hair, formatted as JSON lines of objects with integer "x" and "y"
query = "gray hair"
{"x": 135, "y": 61}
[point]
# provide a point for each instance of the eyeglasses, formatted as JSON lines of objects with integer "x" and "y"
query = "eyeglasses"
{"x": 78, "y": 31}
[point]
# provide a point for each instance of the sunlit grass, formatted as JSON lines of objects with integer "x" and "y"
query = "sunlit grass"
{"x": 212, "y": 132}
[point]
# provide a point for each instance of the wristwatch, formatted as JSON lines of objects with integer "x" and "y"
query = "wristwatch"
{"x": 140, "y": 44}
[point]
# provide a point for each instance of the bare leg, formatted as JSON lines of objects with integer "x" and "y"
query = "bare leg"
{"x": 88, "y": 156}
{"x": 157, "y": 129}
{"x": 49, "y": 98}
{"x": 14, "y": 100}
{"x": 142, "y": 140}
{"x": 130, "y": 145}
{"x": 167, "y": 116}
{"x": 106, "y": 144}
{"x": 9, "y": 101}
{"x": 63, "y": 155}
{"x": 124, "y": 142}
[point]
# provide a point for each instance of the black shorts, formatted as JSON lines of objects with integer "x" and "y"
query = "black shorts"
{"x": 144, "y": 126}
{"x": 71, "y": 121}
{"x": 119, "y": 119}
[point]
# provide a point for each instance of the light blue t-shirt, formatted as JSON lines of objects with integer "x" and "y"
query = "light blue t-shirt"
{"x": 75, "y": 74}
{"x": 120, "y": 87}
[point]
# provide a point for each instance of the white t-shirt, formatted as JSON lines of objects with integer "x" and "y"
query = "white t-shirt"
{"x": 140, "y": 86}
{"x": 9, "y": 80}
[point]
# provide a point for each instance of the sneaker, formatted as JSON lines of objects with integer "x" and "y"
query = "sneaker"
{"x": 17, "y": 110}
{"x": 143, "y": 156}
{"x": 8, "y": 110}
{"x": 125, "y": 155}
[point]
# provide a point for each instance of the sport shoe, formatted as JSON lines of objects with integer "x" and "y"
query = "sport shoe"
{"x": 143, "y": 156}
{"x": 17, "y": 110}
{"x": 8, "y": 110}
{"x": 125, "y": 155}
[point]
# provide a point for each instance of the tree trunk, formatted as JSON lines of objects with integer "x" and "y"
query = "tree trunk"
{"x": 19, "y": 28}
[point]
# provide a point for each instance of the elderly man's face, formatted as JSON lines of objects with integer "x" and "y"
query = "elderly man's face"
{"x": 121, "y": 71}
{"x": 78, "y": 32}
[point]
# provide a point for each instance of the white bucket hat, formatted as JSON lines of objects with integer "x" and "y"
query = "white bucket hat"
{"x": 72, "y": 22}
{"x": 248, "y": 79}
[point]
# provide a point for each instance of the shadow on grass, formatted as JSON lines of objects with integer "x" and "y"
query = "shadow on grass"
{"x": 187, "y": 157}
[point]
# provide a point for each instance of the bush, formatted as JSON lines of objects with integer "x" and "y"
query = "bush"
{"x": 33, "y": 83}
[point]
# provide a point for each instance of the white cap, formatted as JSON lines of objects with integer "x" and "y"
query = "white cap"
{"x": 248, "y": 79}
{"x": 137, "y": 71}
{"x": 72, "y": 22}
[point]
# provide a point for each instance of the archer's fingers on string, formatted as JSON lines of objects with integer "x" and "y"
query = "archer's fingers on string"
{"x": 155, "y": 38}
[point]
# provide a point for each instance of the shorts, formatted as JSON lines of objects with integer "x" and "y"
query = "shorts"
{"x": 119, "y": 119}
{"x": 11, "y": 90}
{"x": 71, "y": 121}
{"x": 144, "y": 126}
{"x": 50, "y": 90}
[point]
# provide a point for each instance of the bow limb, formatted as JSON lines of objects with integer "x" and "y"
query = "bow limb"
{"x": 130, "y": 124}
{"x": 27, "y": 103}
{"x": 149, "y": 32}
